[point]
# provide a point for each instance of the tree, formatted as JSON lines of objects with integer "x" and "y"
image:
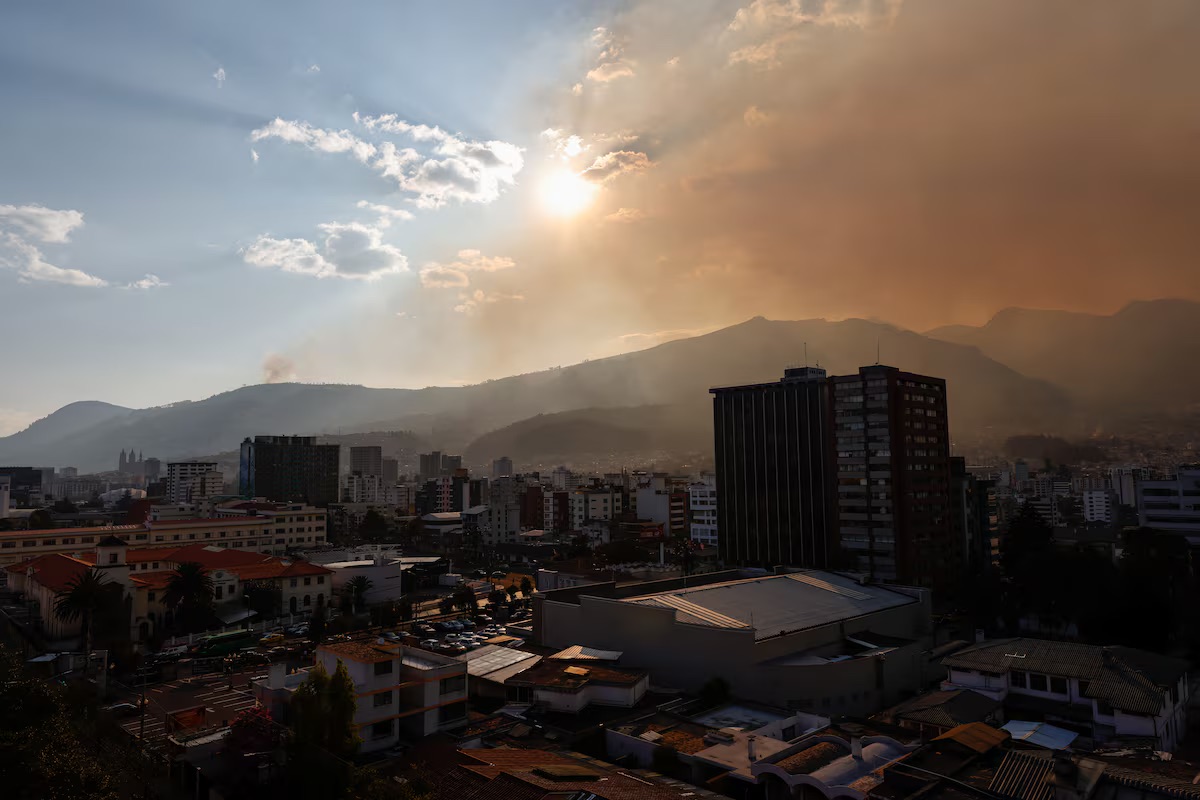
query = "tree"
{"x": 189, "y": 595}
{"x": 464, "y": 598}
{"x": 85, "y": 596}
{"x": 253, "y": 730}
{"x": 373, "y": 526}
{"x": 713, "y": 693}
{"x": 64, "y": 506}
{"x": 41, "y": 520}
{"x": 497, "y": 596}
{"x": 265, "y": 599}
{"x": 526, "y": 587}
{"x": 323, "y": 736}
{"x": 317, "y": 623}
{"x": 356, "y": 590}
{"x": 511, "y": 590}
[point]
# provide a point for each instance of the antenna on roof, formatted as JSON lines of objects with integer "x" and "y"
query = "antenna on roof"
{"x": 877, "y": 348}
{"x": 806, "y": 354}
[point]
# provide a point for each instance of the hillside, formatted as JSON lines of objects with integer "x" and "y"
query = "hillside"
{"x": 1135, "y": 362}
{"x": 986, "y": 397}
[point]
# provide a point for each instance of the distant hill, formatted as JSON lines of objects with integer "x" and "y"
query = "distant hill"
{"x": 597, "y": 432}
{"x": 985, "y": 396}
{"x": 1138, "y": 361}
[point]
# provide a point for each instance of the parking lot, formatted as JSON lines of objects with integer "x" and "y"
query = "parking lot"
{"x": 222, "y": 696}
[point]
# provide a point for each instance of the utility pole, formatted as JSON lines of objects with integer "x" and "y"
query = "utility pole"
{"x": 142, "y": 727}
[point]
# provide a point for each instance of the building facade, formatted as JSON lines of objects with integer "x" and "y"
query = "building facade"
{"x": 773, "y": 482}
{"x": 1173, "y": 504}
{"x": 290, "y": 469}
{"x": 702, "y": 511}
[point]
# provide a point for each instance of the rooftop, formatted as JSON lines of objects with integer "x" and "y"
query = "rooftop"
{"x": 774, "y": 605}
{"x": 945, "y": 709}
{"x": 564, "y": 675}
{"x": 494, "y": 663}
{"x": 1128, "y": 679}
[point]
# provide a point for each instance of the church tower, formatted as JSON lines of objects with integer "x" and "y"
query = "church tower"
{"x": 123, "y": 462}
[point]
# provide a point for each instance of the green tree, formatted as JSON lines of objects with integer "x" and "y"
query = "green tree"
{"x": 526, "y": 587}
{"x": 464, "y": 598}
{"x": 85, "y": 596}
{"x": 317, "y": 623}
{"x": 265, "y": 599}
{"x": 41, "y": 520}
{"x": 356, "y": 590}
{"x": 64, "y": 506}
{"x": 373, "y": 526}
{"x": 323, "y": 737}
{"x": 189, "y": 595}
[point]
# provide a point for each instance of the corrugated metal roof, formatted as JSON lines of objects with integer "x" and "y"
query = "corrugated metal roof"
{"x": 776, "y": 604}
{"x": 1127, "y": 679}
{"x": 1024, "y": 774}
{"x": 579, "y": 652}
{"x": 1041, "y": 734}
{"x": 975, "y": 735}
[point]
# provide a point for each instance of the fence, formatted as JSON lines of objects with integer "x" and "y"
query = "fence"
{"x": 258, "y": 627}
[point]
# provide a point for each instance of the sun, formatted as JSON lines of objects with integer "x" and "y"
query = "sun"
{"x": 565, "y": 193}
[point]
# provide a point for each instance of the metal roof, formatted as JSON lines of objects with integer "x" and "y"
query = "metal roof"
{"x": 1041, "y": 734}
{"x": 776, "y": 604}
{"x": 580, "y": 653}
{"x": 490, "y": 659}
{"x": 1128, "y": 679}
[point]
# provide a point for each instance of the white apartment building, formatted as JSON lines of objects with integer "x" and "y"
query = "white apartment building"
{"x": 5, "y": 495}
{"x": 1173, "y": 504}
{"x": 1099, "y": 505}
{"x": 1119, "y": 692}
{"x": 1125, "y": 480}
{"x": 702, "y": 508}
{"x": 563, "y": 480}
{"x": 594, "y": 504}
{"x": 180, "y": 477}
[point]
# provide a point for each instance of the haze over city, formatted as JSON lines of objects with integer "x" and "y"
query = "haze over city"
{"x": 198, "y": 198}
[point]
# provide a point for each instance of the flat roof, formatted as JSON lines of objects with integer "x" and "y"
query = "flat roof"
{"x": 776, "y": 604}
{"x": 484, "y": 661}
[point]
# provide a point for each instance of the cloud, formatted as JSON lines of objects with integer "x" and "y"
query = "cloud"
{"x": 20, "y": 224}
{"x": 350, "y": 250}
{"x": 313, "y": 69}
{"x": 387, "y": 214}
{"x": 151, "y": 281}
{"x": 611, "y": 63}
{"x": 566, "y": 146}
{"x": 626, "y": 215}
{"x": 471, "y": 302}
{"x": 613, "y": 165}
{"x": 771, "y": 27}
{"x": 316, "y": 139}
{"x": 577, "y": 89}
{"x": 753, "y": 116}
{"x": 475, "y": 261}
{"x": 253, "y": 155}
{"x": 40, "y": 223}
{"x": 437, "y": 276}
{"x": 437, "y": 168}
{"x": 278, "y": 369}
{"x": 219, "y": 77}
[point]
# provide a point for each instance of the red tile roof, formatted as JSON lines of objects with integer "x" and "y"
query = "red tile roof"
{"x": 53, "y": 570}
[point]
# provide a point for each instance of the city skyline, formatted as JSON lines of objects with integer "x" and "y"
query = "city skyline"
{"x": 536, "y": 187}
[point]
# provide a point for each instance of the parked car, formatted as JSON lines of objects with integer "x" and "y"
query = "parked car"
{"x": 483, "y": 619}
{"x": 467, "y": 625}
{"x": 441, "y": 626}
{"x": 423, "y": 629}
{"x": 122, "y": 709}
{"x": 271, "y": 639}
{"x": 391, "y": 636}
{"x": 297, "y": 630}
{"x": 430, "y": 644}
{"x": 450, "y": 648}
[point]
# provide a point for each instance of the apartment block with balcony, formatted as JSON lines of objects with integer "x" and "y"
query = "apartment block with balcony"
{"x": 402, "y": 692}
{"x": 702, "y": 510}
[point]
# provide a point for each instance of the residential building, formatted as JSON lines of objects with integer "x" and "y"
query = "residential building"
{"x": 1100, "y": 505}
{"x": 556, "y": 511}
{"x": 664, "y": 500}
{"x": 563, "y": 480}
{"x": 290, "y": 469}
{"x": 702, "y": 511}
{"x": 1118, "y": 694}
{"x": 1173, "y": 504}
{"x": 504, "y": 511}
{"x": 24, "y": 486}
{"x": 774, "y": 502}
{"x": 391, "y": 471}
{"x": 570, "y": 686}
{"x": 402, "y": 692}
{"x": 934, "y": 713}
{"x": 808, "y": 640}
{"x": 594, "y": 504}
{"x": 5, "y": 495}
{"x": 367, "y": 460}
{"x": 894, "y": 519}
{"x": 430, "y": 465}
{"x": 502, "y": 468}
{"x": 78, "y": 489}
{"x": 1124, "y": 481}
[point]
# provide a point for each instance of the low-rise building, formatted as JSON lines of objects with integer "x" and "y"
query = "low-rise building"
{"x": 1113, "y": 694}
{"x": 809, "y": 640}
{"x": 571, "y": 686}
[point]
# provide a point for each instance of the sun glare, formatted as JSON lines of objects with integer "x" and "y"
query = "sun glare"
{"x": 565, "y": 193}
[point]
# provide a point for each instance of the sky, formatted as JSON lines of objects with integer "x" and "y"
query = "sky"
{"x": 201, "y": 196}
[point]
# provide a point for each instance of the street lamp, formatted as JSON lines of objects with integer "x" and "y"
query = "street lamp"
{"x": 246, "y": 602}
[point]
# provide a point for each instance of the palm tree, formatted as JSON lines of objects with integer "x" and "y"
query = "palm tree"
{"x": 356, "y": 589}
{"x": 190, "y": 590}
{"x": 84, "y": 596}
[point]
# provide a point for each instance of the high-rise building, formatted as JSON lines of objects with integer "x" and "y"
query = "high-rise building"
{"x": 5, "y": 493}
{"x": 702, "y": 510}
{"x": 289, "y": 469}
{"x": 180, "y": 475}
{"x": 1172, "y": 504}
{"x": 25, "y": 485}
{"x": 391, "y": 471}
{"x": 430, "y": 465}
{"x": 1099, "y": 505}
{"x": 774, "y": 486}
{"x": 367, "y": 460}
{"x": 892, "y": 452}
{"x": 502, "y": 467}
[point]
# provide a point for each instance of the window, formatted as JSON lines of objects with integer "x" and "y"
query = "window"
{"x": 293, "y": 582}
{"x": 1058, "y": 685}
{"x": 155, "y": 566}
{"x": 1018, "y": 679}
{"x": 219, "y": 592}
{"x": 456, "y": 684}
{"x": 308, "y": 581}
{"x": 150, "y": 597}
{"x": 8, "y": 545}
{"x": 381, "y": 667}
{"x": 382, "y": 730}
{"x": 320, "y": 579}
{"x": 383, "y": 699}
{"x": 307, "y": 600}
{"x": 1037, "y": 682}
{"x": 451, "y": 713}
{"x": 28, "y": 543}
{"x": 49, "y": 541}
{"x": 87, "y": 539}
{"x": 112, "y": 558}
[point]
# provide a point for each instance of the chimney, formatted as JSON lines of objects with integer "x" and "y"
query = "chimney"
{"x": 750, "y": 747}
{"x": 856, "y": 747}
